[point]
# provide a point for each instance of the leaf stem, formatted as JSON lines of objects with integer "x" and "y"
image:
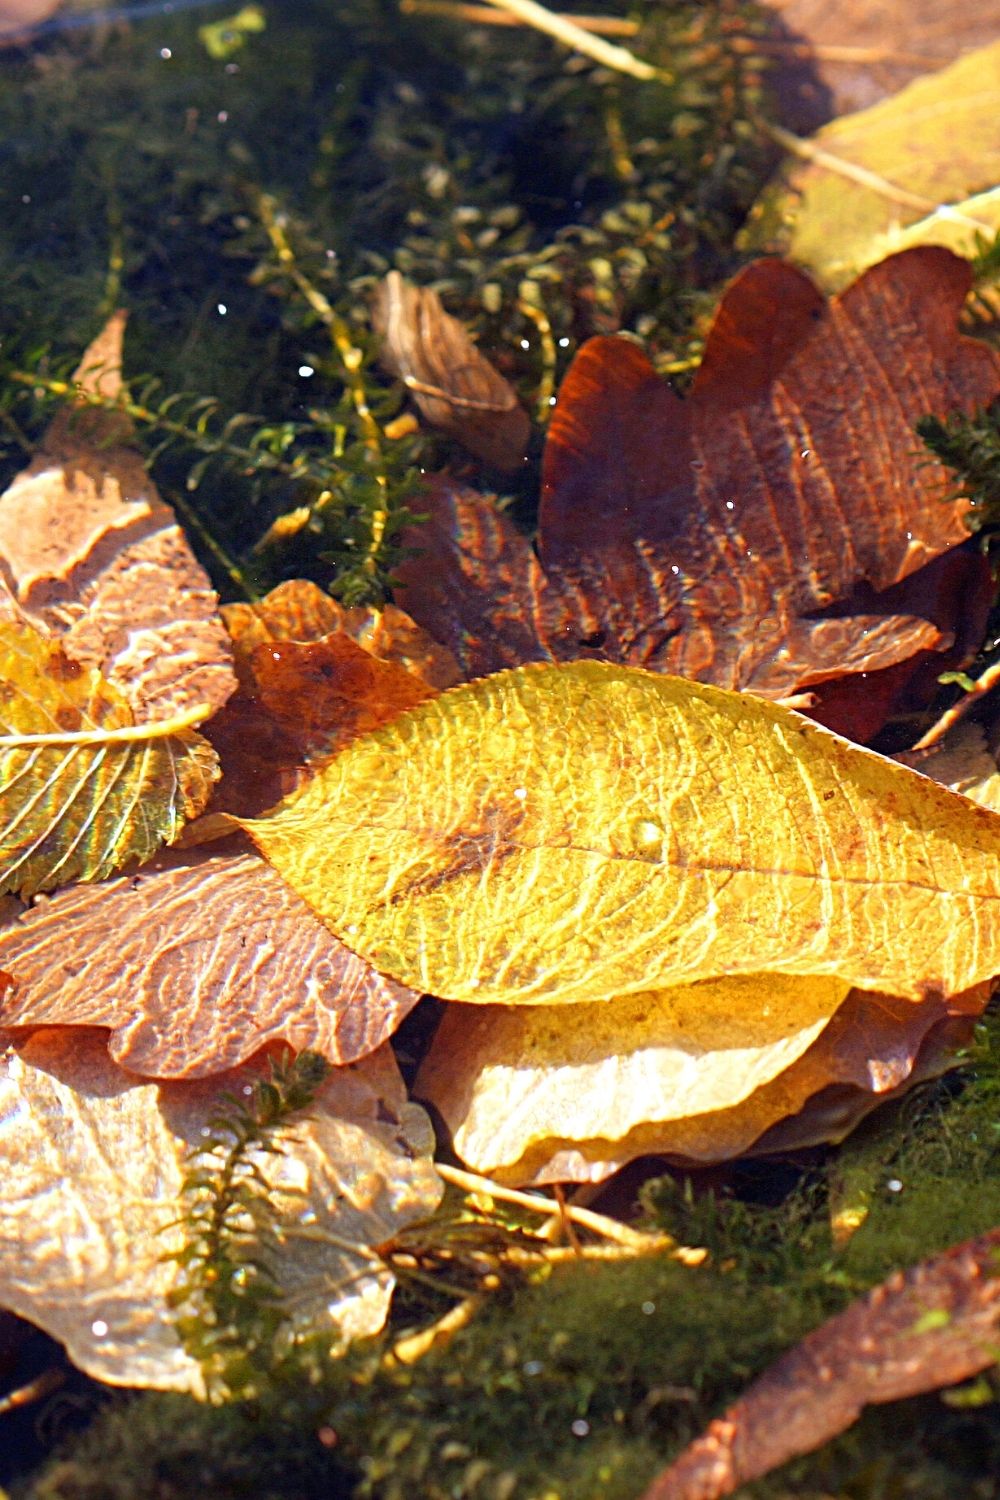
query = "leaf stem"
{"x": 124, "y": 734}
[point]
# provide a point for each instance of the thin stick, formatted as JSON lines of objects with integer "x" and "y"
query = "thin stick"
{"x": 611, "y": 1229}
{"x": 578, "y": 40}
{"x": 482, "y": 15}
{"x": 809, "y": 151}
{"x": 982, "y": 685}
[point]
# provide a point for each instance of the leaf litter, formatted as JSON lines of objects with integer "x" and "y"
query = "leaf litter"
{"x": 547, "y": 733}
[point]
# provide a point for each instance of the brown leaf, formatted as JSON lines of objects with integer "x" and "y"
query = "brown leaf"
{"x": 833, "y": 59}
{"x": 772, "y": 532}
{"x": 94, "y": 1162}
{"x": 455, "y": 387}
{"x": 195, "y": 962}
{"x": 307, "y": 687}
{"x": 924, "y": 1328}
{"x": 93, "y": 555}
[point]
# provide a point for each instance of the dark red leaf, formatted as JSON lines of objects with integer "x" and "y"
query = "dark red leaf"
{"x": 774, "y": 531}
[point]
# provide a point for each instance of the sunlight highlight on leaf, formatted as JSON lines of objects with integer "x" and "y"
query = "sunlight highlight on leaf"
{"x": 83, "y": 789}
{"x": 579, "y": 832}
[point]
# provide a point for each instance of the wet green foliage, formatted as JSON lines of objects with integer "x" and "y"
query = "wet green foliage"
{"x": 582, "y": 1380}
{"x": 240, "y": 190}
{"x": 227, "y": 1299}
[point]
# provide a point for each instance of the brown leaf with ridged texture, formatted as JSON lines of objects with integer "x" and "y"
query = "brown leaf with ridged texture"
{"x": 771, "y": 532}
{"x": 195, "y": 962}
{"x": 307, "y": 687}
{"x": 455, "y": 387}
{"x": 93, "y": 556}
{"x": 924, "y": 1328}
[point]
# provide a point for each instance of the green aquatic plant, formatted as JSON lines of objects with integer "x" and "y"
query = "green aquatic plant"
{"x": 229, "y": 1308}
{"x": 243, "y": 203}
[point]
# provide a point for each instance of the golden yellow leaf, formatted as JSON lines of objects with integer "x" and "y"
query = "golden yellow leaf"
{"x": 94, "y": 1160}
{"x": 580, "y": 832}
{"x": 556, "y": 1094}
{"x": 83, "y": 789}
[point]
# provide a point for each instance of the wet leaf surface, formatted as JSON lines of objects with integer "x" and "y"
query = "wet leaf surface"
{"x": 195, "y": 962}
{"x": 94, "y": 1159}
{"x": 575, "y": 833}
{"x": 85, "y": 805}
{"x": 924, "y": 1328}
{"x": 777, "y": 531}
{"x": 93, "y": 556}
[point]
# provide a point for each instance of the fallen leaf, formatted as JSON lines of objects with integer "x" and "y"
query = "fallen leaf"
{"x": 934, "y": 141}
{"x": 93, "y": 1164}
{"x": 924, "y": 1328}
{"x": 579, "y": 832}
{"x": 455, "y": 387}
{"x": 83, "y": 789}
{"x": 300, "y": 611}
{"x": 777, "y": 531}
{"x": 831, "y": 60}
{"x": 532, "y": 1094}
{"x": 195, "y": 962}
{"x": 94, "y": 557}
{"x": 307, "y": 687}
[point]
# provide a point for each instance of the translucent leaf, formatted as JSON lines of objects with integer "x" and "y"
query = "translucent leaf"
{"x": 94, "y": 1161}
{"x": 574, "y": 833}
{"x": 82, "y": 788}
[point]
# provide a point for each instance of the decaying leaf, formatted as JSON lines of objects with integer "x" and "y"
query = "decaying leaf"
{"x": 93, "y": 556}
{"x": 307, "y": 686}
{"x": 301, "y": 611}
{"x": 935, "y": 141}
{"x": 195, "y": 962}
{"x": 542, "y": 1094}
{"x": 831, "y": 60}
{"x": 93, "y": 1164}
{"x": 82, "y": 788}
{"x": 778, "y": 531}
{"x": 922, "y": 1329}
{"x": 455, "y": 387}
{"x": 575, "y": 833}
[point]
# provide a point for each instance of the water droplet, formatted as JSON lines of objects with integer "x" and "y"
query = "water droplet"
{"x": 649, "y": 1308}
{"x": 894, "y": 1185}
{"x": 648, "y": 835}
{"x": 579, "y": 1428}
{"x": 805, "y": 452}
{"x": 674, "y": 568}
{"x": 730, "y": 504}
{"x": 532, "y": 1367}
{"x": 99, "y": 1328}
{"x": 520, "y": 792}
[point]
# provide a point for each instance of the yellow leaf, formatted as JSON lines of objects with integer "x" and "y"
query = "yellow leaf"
{"x": 579, "y": 832}
{"x": 936, "y": 141}
{"x": 83, "y": 789}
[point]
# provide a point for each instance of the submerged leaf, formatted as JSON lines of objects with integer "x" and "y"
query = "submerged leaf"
{"x": 455, "y": 387}
{"x": 777, "y": 531}
{"x": 936, "y": 140}
{"x": 82, "y": 788}
{"x": 924, "y": 1328}
{"x": 195, "y": 962}
{"x": 94, "y": 1161}
{"x": 575, "y": 833}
